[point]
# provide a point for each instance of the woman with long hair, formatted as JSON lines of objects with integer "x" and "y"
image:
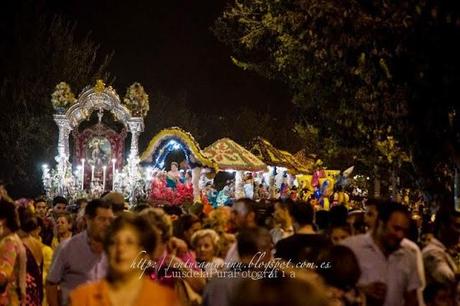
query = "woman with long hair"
{"x": 12, "y": 258}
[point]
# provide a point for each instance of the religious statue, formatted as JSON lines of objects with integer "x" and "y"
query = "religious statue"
{"x": 99, "y": 152}
{"x": 173, "y": 176}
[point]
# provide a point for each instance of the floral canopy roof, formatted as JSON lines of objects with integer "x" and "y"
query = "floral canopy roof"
{"x": 174, "y": 133}
{"x": 228, "y": 155}
{"x": 305, "y": 160}
{"x": 272, "y": 156}
{"x": 298, "y": 166}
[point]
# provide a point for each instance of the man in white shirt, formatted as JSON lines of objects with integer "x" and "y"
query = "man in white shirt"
{"x": 389, "y": 271}
{"x": 371, "y": 218}
{"x": 439, "y": 253}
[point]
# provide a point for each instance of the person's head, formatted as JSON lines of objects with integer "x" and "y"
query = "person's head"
{"x": 205, "y": 242}
{"x": 344, "y": 271}
{"x": 127, "y": 237}
{"x": 251, "y": 241}
{"x": 41, "y": 225}
{"x": 436, "y": 294}
{"x": 280, "y": 291}
{"x": 31, "y": 226}
{"x": 322, "y": 219}
{"x": 338, "y": 215}
{"x": 161, "y": 222}
{"x": 339, "y": 233}
{"x": 81, "y": 203}
{"x": 392, "y": 225}
{"x": 186, "y": 226}
{"x": 243, "y": 213}
{"x": 281, "y": 214}
{"x": 64, "y": 223}
{"x": 99, "y": 216}
{"x": 9, "y": 220}
{"x": 173, "y": 211}
{"x": 302, "y": 213}
{"x": 116, "y": 200}
{"x": 427, "y": 234}
{"x": 174, "y": 166}
{"x": 371, "y": 214}
{"x": 59, "y": 205}
{"x": 41, "y": 207}
{"x": 447, "y": 225}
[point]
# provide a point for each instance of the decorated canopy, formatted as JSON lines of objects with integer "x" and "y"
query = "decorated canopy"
{"x": 174, "y": 139}
{"x": 228, "y": 155}
{"x": 298, "y": 166}
{"x": 305, "y": 160}
{"x": 272, "y": 156}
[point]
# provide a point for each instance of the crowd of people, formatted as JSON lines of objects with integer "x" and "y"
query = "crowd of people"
{"x": 280, "y": 252}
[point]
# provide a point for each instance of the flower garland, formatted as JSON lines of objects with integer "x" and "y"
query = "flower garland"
{"x": 137, "y": 100}
{"x": 62, "y": 96}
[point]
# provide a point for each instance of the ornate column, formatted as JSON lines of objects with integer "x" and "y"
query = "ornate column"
{"x": 62, "y": 158}
{"x": 196, "y": 173}
{"x": 239, "y": 188}
{"x": 64, "y": 130}
{"x": 136, "y": 127}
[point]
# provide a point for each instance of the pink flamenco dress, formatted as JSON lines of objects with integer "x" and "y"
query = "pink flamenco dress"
{"x": 13, "y": 268}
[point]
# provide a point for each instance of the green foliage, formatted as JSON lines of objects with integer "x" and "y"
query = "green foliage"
{"x": 333, "y": 54}
{"x": 376, "y": 79}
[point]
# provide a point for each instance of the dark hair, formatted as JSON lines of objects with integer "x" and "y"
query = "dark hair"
{"x": 387, "y": 209}
{"x": 444, "y": 218}
{"x": 60, "y": 200}
{"x": 93, "y": 205}
{"x": 250, "y": 240}
{"x": 302, "y": 213}
{"x": 374, "y": 202}
{"x": 30, "y": 224}
{"x": 172, "y": 210}
{"x": 184, "y": 223}
{"x": 40, "y": 199}
{"x": 338, "y": 215}
{"x": 322, "y": 219}
{"x": 147, "y": 235}
{"x": 430, "y": 292}
{"x": 344, "y": 272}
{"x": 8, "y": 212}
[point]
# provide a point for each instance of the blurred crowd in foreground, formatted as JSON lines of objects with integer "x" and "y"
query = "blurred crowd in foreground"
{"x": 100, "y": 252}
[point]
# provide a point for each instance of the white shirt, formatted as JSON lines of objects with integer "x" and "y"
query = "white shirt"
{"x": 409, "y": 244}
{"x": 398, "y": 271}
{"x": 440, "y": 266}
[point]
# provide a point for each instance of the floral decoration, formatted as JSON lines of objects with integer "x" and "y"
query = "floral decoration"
{"x": 62, "y": 97}
{"x": 137, "y": 100}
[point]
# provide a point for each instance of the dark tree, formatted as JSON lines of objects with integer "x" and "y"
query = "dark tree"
{"x": 374, "y": 78}
{"x": 38, "y": 51}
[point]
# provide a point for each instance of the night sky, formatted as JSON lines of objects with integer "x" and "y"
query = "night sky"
{"x": 168, "y": 47}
